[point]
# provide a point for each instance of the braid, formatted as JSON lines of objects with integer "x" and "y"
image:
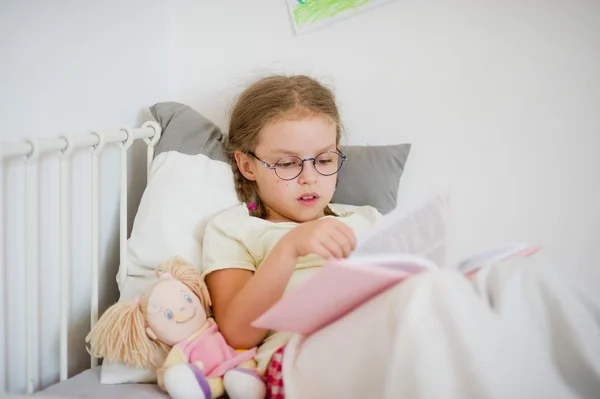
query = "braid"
{"x": 247, "y": 192}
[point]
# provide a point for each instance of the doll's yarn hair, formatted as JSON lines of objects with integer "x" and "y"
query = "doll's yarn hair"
{"x": 120, "y": 337}
{"x": 120, "y": 334}
{"x": 187, "y": 274}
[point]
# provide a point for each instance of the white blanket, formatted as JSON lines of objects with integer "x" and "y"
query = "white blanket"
{"x": 515, "y": 331}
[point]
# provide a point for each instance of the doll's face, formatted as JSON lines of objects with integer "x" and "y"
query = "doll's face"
{"x": 174, "y": 312}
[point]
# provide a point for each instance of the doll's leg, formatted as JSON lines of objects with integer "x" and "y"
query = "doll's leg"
{"x": 432, "y": 336}
{"x": 244, "y": 382}
{"x": 217, "y": 389}
{"x": 186, "y": 381}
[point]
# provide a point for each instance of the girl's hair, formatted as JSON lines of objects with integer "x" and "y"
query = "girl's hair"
{"x": 120, "y": 334}
{"x": 266, "y": 101}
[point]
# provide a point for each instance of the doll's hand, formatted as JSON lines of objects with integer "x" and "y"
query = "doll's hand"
{"x": 199, "y": 364}
{"x": 160, "y": 378}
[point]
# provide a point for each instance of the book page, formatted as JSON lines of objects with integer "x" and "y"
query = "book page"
{"x": 494, "y": 255}
{"x": 423, "y": 231}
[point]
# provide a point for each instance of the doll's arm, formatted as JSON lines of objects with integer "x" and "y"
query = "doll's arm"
{"x": 174, "y": 378}
{"x": 176, "y": 356}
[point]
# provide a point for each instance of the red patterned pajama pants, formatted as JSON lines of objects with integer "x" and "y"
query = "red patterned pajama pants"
{"x": 274, "y": 376}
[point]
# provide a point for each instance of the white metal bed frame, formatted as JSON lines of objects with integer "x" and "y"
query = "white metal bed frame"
{"x": 64, "y": 146}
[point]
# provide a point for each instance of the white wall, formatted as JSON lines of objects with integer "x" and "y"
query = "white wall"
{"x": 500, "y": 99}
{"x": 67, "y": 67}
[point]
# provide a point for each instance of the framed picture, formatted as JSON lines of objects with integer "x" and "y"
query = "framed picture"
{"x": 307, "y": 15}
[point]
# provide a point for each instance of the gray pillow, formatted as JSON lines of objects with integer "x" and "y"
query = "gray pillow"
{"x": 185, "y": 130}
{"x": 371, "y": 176}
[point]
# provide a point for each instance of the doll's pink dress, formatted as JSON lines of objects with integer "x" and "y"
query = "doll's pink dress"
{"x": 209, "y": 347}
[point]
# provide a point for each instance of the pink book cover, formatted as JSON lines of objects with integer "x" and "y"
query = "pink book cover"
{"x": 334, "y": 291}
{"x": 341, "y": 286}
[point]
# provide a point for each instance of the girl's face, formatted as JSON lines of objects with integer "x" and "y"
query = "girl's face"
{"x": 305, "y": 197}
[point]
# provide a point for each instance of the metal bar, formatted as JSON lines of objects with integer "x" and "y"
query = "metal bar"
{"x": 95, "y": 235}
{"x": 31, "y": 246}
{"x": 123, "y": 210}
{"x": 149, "y": 159}
{"x": 123, "y": 197}
{"x": 15, "y": 149}
{"x": 151, "y": 144}
{"x": 3, "y": 293}
{"x": 65, "y": 257}
{"x": 59, "y": 144}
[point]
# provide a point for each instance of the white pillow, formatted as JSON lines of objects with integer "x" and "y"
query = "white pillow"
{"x": 183, "y": 193}
{"x": 120, "y": 374}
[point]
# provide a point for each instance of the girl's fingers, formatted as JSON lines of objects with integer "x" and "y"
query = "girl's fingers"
{"x": 332, "y": 247}
{"x": 343, "y": 243}
{"x": 323, "y": 252}
{"x": 348, "y": 233}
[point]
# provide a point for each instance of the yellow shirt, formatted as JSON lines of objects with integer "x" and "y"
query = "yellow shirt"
{"x": 234, "y": 239}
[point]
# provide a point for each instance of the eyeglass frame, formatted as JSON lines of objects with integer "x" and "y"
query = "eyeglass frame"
{"x": 267, "y": 165}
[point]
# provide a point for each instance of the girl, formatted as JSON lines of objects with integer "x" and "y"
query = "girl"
{"x": 510, "y": 332}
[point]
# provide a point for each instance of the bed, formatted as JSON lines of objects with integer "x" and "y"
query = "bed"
{"x": 87, "y": 385}
{"x": 181, "y": 146}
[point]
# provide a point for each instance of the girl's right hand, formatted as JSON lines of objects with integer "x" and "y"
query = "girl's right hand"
{"x": 328, "y": 238}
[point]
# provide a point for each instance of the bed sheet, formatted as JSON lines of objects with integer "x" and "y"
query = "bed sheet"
{"x": 87, "y": 385}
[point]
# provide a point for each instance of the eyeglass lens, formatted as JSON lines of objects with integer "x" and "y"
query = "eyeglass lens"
{"x": 289, "y": 167}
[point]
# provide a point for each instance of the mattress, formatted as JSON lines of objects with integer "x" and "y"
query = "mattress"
{"x": 87, "y": 385}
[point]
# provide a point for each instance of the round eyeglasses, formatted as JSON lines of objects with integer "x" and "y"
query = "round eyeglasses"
{"x": 289, "y": 167}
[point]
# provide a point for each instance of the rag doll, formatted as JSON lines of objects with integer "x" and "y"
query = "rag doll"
{"x": 173, "y": 315}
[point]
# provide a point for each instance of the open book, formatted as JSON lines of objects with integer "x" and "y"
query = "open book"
{"x": 401, "y": 244}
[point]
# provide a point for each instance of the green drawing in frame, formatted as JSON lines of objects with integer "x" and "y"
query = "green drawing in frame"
{"x": 310, "y": 14}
